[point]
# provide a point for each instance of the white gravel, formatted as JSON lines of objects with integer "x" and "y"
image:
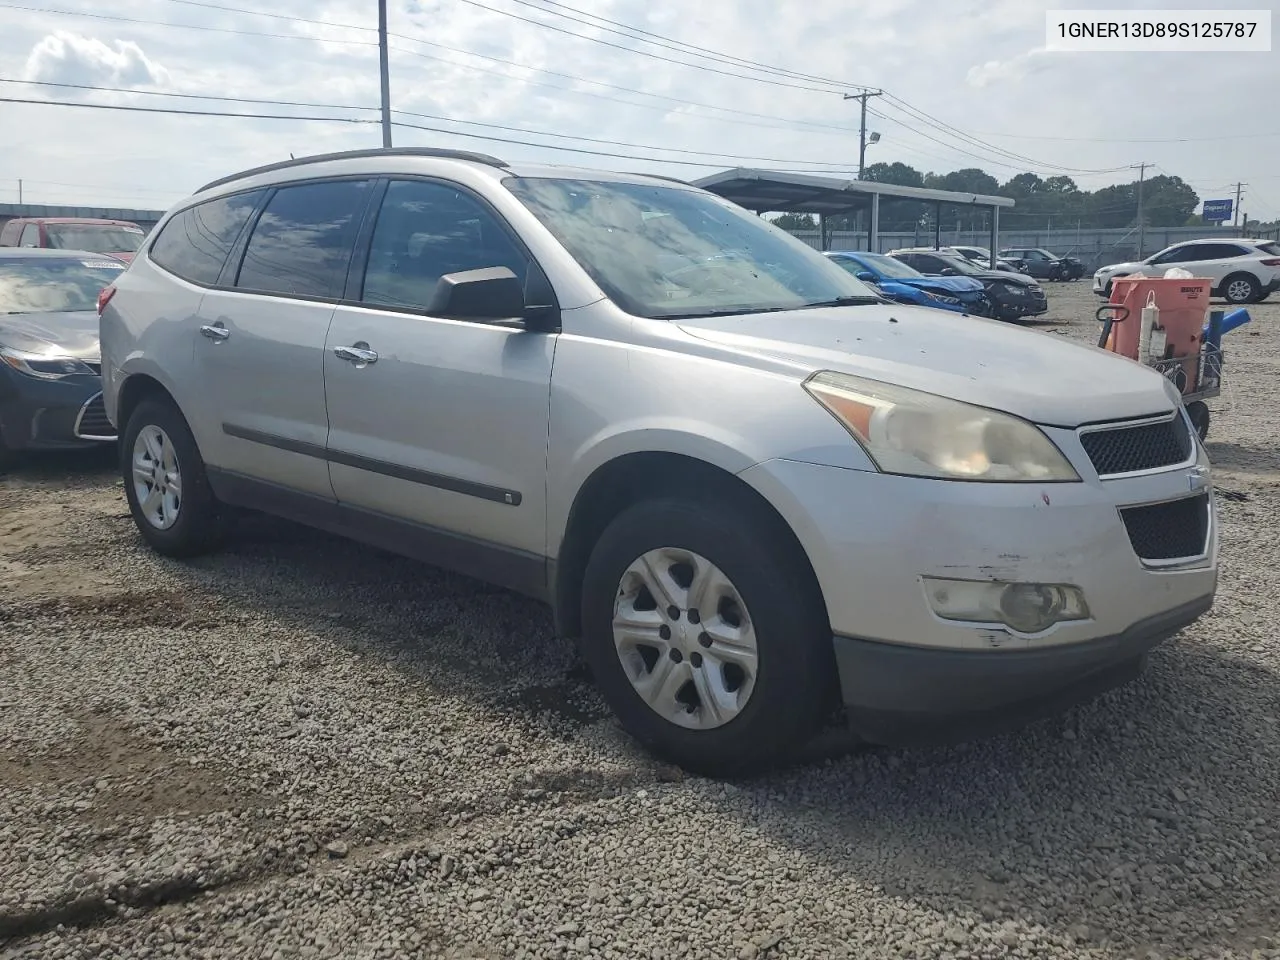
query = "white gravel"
{"x": 302, "y": 748}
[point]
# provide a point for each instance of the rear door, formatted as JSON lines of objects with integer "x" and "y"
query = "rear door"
{"x": 446, "y": 427}
{"x": 259, "y": 339}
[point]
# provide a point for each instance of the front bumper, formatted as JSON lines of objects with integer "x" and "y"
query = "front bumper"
{"x": 898, "y": 695}
{"x": 873, "y": 538}
{"x": 52, "y": 414}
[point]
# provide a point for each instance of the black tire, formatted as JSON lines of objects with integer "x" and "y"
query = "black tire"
{"x": 202, "y": 520}
{"x": 1240, "y": 288}
{"x": 795, "y": 664}
{"x": 1198, "y": 411}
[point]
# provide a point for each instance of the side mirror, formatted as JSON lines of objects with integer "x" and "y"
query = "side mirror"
{"x": 490, "y": 293}
{"x": 948, "y": 271}
{"x": 866, "y": 276}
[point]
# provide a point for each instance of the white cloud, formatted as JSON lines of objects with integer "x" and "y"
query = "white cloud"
{"x": 1003, "y": 71}
{"x": 66, "y": 57}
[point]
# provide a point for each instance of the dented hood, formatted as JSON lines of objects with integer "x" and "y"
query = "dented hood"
{"x": 1041, "y": 377}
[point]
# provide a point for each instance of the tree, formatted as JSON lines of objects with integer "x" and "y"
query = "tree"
{"x": 796, "y": 221}
{"x": 1168, "y": 201}
{"x": 898, "y": 214}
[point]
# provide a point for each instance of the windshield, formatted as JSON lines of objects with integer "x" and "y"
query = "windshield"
{"x": 53, "y": 285}
{"x": 669, "y": 252}
{"x": 105, "y": 238}
{"x": 883, "y": 265}
{"x": 960, "y": 265}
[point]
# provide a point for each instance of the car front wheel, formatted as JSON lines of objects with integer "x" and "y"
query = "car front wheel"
{"x": 704, "y": 636}
{"x": 166, "y": 484}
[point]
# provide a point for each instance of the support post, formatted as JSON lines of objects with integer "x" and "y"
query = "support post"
{"x": 873, "y": 239}
{"x": 937, "y": 225}
{"x": 995, "y": 234}
{"x": 385, "y": 69}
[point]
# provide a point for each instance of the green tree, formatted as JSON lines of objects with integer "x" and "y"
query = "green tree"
{"x": 796, "y": 221}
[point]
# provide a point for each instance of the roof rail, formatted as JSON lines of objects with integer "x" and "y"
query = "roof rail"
{"x": 356, "y": 154}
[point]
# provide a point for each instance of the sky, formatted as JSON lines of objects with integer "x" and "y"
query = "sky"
{"x": 965, "y": 83}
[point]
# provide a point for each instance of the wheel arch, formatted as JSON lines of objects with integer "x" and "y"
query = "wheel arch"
{"x": 633, "y": 477}
{"x": 133, "y": 390}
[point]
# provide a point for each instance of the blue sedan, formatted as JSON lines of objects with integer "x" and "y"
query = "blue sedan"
{"x": 903, "y": 284}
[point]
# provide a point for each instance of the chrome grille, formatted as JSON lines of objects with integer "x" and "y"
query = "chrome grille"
{"x": 92, "y": 423}
{"x": 1175, "y": 530}
{"x": 1128, "y": 448}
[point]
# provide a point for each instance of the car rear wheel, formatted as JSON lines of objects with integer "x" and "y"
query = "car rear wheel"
{"x": 1240, "y": 288}
{"x": 166, "y": 483}
{"x": 704, "y": 636}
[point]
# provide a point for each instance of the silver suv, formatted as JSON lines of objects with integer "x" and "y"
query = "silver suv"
{"x": 749, "y": 487}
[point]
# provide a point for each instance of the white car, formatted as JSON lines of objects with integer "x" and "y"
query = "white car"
{"x": 1242, "y": 271}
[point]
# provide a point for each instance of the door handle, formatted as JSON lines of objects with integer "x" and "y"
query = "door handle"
{"x": 215, "y": 331}
{"x": 358, "y": 353}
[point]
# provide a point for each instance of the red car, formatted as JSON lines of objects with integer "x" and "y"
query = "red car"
{"x": 119, "y": 238}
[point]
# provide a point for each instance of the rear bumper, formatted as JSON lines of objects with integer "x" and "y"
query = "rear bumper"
{"x": 898, "y": 694}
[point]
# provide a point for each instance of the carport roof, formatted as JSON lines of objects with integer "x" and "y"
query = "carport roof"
{"x": 774, "y": 192}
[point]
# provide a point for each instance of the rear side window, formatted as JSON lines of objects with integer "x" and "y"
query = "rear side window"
{"x": 30, "y": 235}
{"x": 10, "y": 232}
{"x": 194, "y": 243}
{"x": 302, "y": 243}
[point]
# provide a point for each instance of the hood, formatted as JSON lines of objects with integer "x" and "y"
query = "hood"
{"x": 1121, "y": 267}
{"x": 944, "y": 284}
{"x": 73, "y": 334}
{"x": 1008, "y": 276}
{"x": 1037, "y": 376}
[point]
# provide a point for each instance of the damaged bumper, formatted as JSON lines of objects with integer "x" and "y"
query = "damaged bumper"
{"x": 879, "y": 545}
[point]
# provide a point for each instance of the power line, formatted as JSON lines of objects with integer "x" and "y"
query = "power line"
{"x": 645, "y": 53}
{"x": 411, "y": 113}
{"x": 670, "y": 43}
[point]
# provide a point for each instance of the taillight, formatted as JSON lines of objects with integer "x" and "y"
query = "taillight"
{"x": 104, "y": 297}
{"x": 1271, "y": 262}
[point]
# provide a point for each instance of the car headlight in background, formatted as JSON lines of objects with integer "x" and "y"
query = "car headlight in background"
{"x": 940, "y": 298}
{"x": 46, "y": 366}
{"x": 919, "y": 434}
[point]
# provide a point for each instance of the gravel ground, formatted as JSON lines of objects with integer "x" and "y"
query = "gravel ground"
{"x": 303, "y": 748}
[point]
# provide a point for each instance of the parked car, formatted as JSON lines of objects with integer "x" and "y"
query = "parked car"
{"x": 747, "y": 487}
{"x": 902, "y": 284}
{"x": 1012, "y": 295}
{"x": 1040, "y": 263}
{"x": 981, "y": 256}
{"x": 50, "y": 389}
{"x": 117, "y": 238}
{"x": 1242, "y": 271}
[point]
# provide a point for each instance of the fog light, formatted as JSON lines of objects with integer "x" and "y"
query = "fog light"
{"x": 1022, "y": 607}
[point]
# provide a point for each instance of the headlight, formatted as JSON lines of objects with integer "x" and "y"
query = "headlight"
{"x": 920, "y": 434}
{"x": 940, "y": 298}
{"x": 43, "y": 365}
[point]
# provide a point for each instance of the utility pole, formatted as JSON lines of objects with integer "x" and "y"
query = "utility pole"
{"x": 1235, "y": 212}
{"x": 386, "y": 73}
{"x": 1142, "y": 218}
{"x": 862, "y": 127}
{"x": 19, "y": 191}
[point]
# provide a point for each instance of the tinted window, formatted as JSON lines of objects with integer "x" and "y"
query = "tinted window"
{"x": 98, "y": 238}
{"x": 195, "y": 242}
{"x": 1185, "y": 254}
{"x": 426, "y": 230}
{"x": 302, "y": 242}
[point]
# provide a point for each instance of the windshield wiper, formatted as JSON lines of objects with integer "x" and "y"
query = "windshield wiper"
{"x": 737, "y": 312}
{"x": 847, "y": 301}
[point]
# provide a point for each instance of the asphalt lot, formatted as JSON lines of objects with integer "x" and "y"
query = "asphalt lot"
{"x": 303, "y": 748}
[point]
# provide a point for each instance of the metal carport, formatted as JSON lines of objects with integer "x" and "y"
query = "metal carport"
{"x": 769, "y": 191}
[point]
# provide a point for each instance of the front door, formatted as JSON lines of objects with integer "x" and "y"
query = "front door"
{"x": 439, "y": 422}
{"x": 260, "y": 336}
